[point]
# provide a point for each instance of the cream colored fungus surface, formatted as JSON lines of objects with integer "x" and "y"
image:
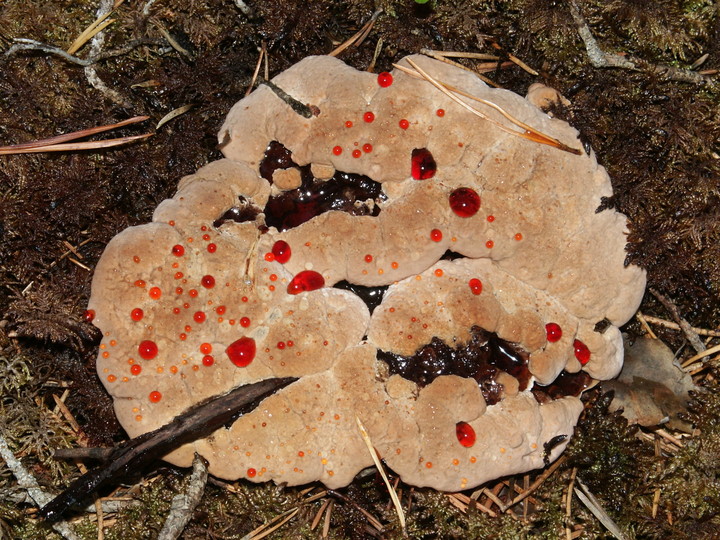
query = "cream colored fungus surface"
{"x": 192, "y": 305}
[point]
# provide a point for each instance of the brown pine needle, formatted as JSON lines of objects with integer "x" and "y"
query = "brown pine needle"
{"x": 72, "y": 136}
{"x": 538, "y": 481}
{"x": 442, "y": 58}
{"x": 94, "y": 145}
{"x": 380, "y": 468}
{"x": 459, "y": 54}
{"x": 528, "y": 132}
{"x": 91, "y": 31}
{"x": 358, "y": 37}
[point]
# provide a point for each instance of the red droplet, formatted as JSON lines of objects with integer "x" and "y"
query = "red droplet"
{"x": 155, "y": 396}
{"x": 422, "y": 164}
{"x": 242, "y": 351}
{"x": 337, "y": 150}
{"x": 269, "y": 257}
{"x": 465, "y": 434}
{"x": 155, "y": 293}
{"x": 212, "y": 248}
{"x": 281, "y": 345}
{"x": 465, "y": 202}
{"x": 147, "y": 349}
{"x": 582, "y": 353}
{"x": 436, "y": 235}
{"x": 251, "y": 472}
{"x": 475, "y": 286}
{"x": 137, "y": 314}
{"x": 206, "y": 237}
{"x": 440, "y": 112}
{"x": 356, "y": 153}
{"x": 208, "y": 282}
{"x": 489, "y": 244}
{"x": 205, "y": 348}
{"x": 368, "y": 258}
{"x": 307, "y": 280}
{"x": 368, "y": 117}
{"x": 193, "y": 293}
{"x": 245, "y": 322}
{"x": 178, "y": 250}
{"x": 89, "y": 315}
{"x": 491, "y": 219}
{"x": 135, "y": 369}
{"x": 385, "y": 79}
{"x": 553, "y": 331}
{"x": 281, "y": 250}
{"x": 199, "y": 317}
{"x": 140, "y": 283}
{"x": 367, "y": 148}
{"x": 208, "y": 360}
{"x": 348, "y": 124}
{"x": 220, "y": 310}
{"x": 404, "y": 124}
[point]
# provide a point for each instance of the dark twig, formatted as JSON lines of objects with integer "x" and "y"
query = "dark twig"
{"x": 688, "y": 330}
{"x": 300, "y": 108}
{"x": 22, "y": 44}
{"x": 197, "y": 422}
{"x": 601, "y": 59}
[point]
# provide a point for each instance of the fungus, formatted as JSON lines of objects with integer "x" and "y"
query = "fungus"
{"x": 482, "y": 256}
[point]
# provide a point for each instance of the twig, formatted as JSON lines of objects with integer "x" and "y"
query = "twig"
{"x": 690, "y": 334}
{"x": 601, "y": 59}
{"x": 257, "y": 70}
{"x": 703, "y": 354}
{"x": 183, "y": 504}
{"x": 515, "y": 60}
{"x": 538, "y": 481}
{"x": 22, "y": 44}
{"x": 568, "y": 503}
{"x": 592, "y": 504}
{"x": 29, "y": 484}
{"x": 675, "y": 326}
{"x": 442, "y": 58}
{"x": 96, "y": 45}
{"x": 197, "y": 422}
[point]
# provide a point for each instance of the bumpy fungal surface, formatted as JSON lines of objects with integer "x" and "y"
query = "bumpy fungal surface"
{"x": 480, "y": 254}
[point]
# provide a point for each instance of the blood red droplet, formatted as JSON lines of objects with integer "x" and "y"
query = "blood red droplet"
{"x": 465, "y": 202}
{"x": 367, "y": 148}
{"x": 489, "y": 244}
{"x": 348, "y": 124}
{"x": 155, "y": 293}
{"x": 178, "y": 250}
{"x": 205, "y": 348}
{"x": 155, "y": 396}
{"x": 220, "y": 310}
{"x": 553, "y": 331}
{"x": 242, "y": 351}
{"x": 465, "y": 434}
{"x": 368, "y": 117}
{"x": 422, "y": 164}
{"x": 582, "y": 353}
{"x": 199, "y": 317}
{"x": 440, "y": 112}
{"x": 404, "y": 124}
{"x": 368, "y": 258}
{"x": 269, "y": 257}
{"x": 356, "y": 153}
{"x": 281, "y": 250}
{"x": 251, "y": 472}
{"x": 208, "y": 282}
{"x": 147, "y": 349}
{"x": 281, "y": 345}
{"x": 475, "y": 286}
{"x": 135, "y": 369}
{"x": 137, "y": 314}
{"x": 208, "y": 360}
{"x": 385, "y": 79}
{"x": 89, "y": 315}
{"x": 436, "y": 235}
{"x": 245, "y": 322}
{"x": 337, "y": 150}
{"x": 307, "y": 280}
{"x": 212, "y": 248}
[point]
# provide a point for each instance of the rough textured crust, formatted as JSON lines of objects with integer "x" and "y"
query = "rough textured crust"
{"x": 538, "y": 246}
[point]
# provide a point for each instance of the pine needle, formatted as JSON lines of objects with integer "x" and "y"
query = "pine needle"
{"x": 378, "y": 464}
{"x": 95, "y": 28}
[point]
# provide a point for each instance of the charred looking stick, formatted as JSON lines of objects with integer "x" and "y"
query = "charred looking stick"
{"x": 197, "y": 422}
